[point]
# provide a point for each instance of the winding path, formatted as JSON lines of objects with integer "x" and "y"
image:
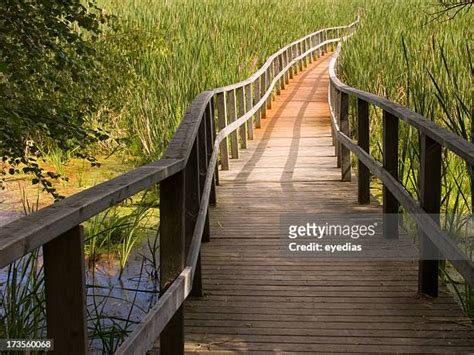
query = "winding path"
{"x": 257, "y": 300}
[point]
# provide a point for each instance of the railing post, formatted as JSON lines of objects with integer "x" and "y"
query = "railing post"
{"x": 172, "y": 257}
{"x": 256, "y": 92}
{"x": 337, "y": 147}
{"x": 390, "y": 163}
{"x": 210, "y": 138}
{"x": 192, "y": 198}
{"x": 344, "y": 126}
{"x": 282, "y": 66}
{"x": 203, "y": 168}
{"x": 268, "y": 79}
{"x": 248, "y": 106}
{"x": 292, "y": 68}
{"x": 325, "y": 47}
{"x": 64, "y": 273}
{"x": 363, "y": 181}
{"x": 231, "y": 117}
{"x": 263, "y": 109}
{"x": 308, "y": 46}
{"x": 222, "y": 119}
{"x": 276, "y": 66}
{"x": 332, "y": 93}
{"x": 240, "y": 113}
{"x": 300, "y": 52}
{"x": 287, "y": 61}
{"x": 430, "y": 201}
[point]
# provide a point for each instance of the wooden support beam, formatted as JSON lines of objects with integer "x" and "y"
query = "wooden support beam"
{"x": 231, "y": 117}
{"x": 64, "y": 273}
{"x": 268, "y": 79}
{"x": 345, "y": 153}
{"x": 210, "y": 138}
{"x": 337, "y": 147}
{"x": 222, "y": 120}
{"x": 172, "y": 255}
{"x": 192, "y": 200}
{"x": 203, "y": 166}
{"x": 276, "y": 70}
{"x": 390, "y": 163}
{"x": 240, "y": 112}
{"x": 248, "y": 106}
{"x": 430, "y": 201}
{"x": 363, "y": 181}
{"x": 256, "y": 98}
{"x": 263, "y": 89}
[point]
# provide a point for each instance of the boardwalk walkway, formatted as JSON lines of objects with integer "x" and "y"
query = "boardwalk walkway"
{"x": 258, "y": 301}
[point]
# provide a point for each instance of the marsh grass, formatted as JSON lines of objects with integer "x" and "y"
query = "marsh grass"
{"x": 401, "y": 52}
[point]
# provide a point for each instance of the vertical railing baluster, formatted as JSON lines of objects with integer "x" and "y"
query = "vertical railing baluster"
{"x": 308, "y": 47}
{"x": 222, "y": 119}
{"x": 430, "y": 201}
{"x": 172, "y": 255}
{"x": 268, "y": 79}
{"x": 292, "y": 68}
{"x": 344, "y": 126}
{"x": 320, "y": 50}
{"x": 287, "y": 61}
{"x": 64, "y": 274}
{"x": 282, "y": 66}
{"x": 337, "y": 147}
{"x": 203, "y": 168}
{"x": 192, "y": 198}
{"x": 300, "y": 52}
{"x": 363, "y": 181}
{"x": 210, "y": 139}
{"x": 255, "y": 93}
{"x": 276, "y": 66}
{"x": 390, "y": 163}
{"x": 231, "y": 117}
{"x": 263, "y": 89}
{"x": 240, "y": 113}
{"x": 248, "y": 107}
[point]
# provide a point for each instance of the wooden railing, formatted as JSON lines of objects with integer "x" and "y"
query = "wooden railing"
{"x": 187, "y": 174}
{"x": 434, "y": 244}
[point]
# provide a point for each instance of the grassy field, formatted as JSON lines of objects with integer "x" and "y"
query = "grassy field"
{"x": 404, "y": 51}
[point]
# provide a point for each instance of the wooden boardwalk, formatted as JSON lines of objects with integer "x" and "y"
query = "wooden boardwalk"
{"x": 257, "y": 300}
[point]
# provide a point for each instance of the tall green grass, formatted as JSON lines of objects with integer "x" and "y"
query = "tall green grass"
{"x": 404, "y": 52}
{"x": 172, "y": 50}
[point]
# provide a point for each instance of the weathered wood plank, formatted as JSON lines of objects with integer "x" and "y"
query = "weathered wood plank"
{"x": 64, "y": 273}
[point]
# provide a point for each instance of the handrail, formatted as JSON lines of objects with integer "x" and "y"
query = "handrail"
{"x": 187, "y": 174}
{"x": 433, "y": 137}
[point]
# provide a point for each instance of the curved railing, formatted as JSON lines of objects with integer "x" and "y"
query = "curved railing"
{"x": 433, "y": 241}
{"x": 187, "y": 174}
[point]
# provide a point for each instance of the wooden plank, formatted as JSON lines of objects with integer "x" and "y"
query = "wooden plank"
{"x": 363, "y": 178}
{"x": 172, "y": 255}
{"x": 430, "y": 201}
{"x": 390, "y": 164}
{"x": 64, "y": 274}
